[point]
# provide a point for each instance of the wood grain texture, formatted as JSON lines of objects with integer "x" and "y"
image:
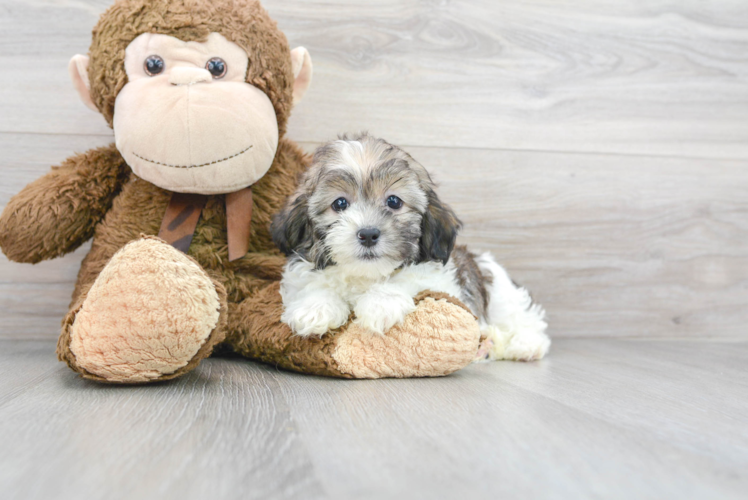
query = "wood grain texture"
{"x": 660, "y": 77}
{"x": 228, "y": 424}
{"x": 597, "y": 419}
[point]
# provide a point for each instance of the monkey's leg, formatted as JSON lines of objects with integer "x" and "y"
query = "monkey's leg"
{"x": 151, "y": 314}
{"x": 439, "y": 337}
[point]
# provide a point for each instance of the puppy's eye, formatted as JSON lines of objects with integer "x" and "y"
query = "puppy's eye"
{"x": 394, "y": 202}
{"x": 153, "y": 65}
{"x": 340, "y": 204}
{"x": 217, "y": 67}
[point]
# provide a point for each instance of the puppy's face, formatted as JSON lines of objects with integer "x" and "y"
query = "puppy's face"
{"x": 368, "y": 206}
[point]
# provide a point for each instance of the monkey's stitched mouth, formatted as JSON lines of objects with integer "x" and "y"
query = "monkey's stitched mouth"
{"x": 194, "y": 166}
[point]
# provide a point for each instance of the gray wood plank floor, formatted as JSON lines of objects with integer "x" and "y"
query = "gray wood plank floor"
{"x": 597, "y": 419}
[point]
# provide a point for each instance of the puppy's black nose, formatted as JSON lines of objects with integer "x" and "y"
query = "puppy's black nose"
{"x": 368, "y": 236}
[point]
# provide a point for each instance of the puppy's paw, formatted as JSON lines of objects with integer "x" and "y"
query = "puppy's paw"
{"x": 378, "y": 312}
{"x": 527, "y": 347}
{"x": 524, "y": 345}
{"x": 316, "y": 315}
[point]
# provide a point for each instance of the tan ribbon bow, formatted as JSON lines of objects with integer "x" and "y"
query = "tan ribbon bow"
{"x": 183, "y": 213}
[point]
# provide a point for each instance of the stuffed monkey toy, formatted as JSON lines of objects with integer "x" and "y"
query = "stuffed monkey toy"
{"x": 198, "y": 93}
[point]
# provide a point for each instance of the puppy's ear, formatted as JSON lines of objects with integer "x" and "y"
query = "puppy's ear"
{"x": 291, "y": 228}
{"x": 439, "y": 228}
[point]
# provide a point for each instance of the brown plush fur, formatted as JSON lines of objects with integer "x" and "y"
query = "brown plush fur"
{"x": 96, "y": 194}
{"x": 140, "y": 207}
{"x": 62, "y": 207}
{"x": 257, "y": 332}
{"x": 250, "y": 283}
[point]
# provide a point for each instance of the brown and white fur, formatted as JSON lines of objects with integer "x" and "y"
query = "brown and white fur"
{"x": 390, "y": 239}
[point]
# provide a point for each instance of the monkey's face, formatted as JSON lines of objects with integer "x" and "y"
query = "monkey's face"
{"x": 188, "y": 121}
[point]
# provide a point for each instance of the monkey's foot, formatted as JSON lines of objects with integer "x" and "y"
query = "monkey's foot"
{"x": 440, "y": 337}
{"x": 152, "y": 314}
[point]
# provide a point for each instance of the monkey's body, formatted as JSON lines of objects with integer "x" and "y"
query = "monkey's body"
{"x": 142, "y": 311}
{"x": 139, "y": 208}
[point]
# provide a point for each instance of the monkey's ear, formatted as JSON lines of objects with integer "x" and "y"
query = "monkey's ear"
{"x": 301, "y": 62}
{"x": 78, "y": 69}
{"x": 291, "y": 228}
{"x": 439, "y": 228}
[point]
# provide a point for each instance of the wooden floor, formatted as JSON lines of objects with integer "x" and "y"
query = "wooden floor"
{"x": 597, "y": 419}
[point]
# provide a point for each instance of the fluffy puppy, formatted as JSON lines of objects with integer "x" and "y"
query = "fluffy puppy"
{"x": 365, "y": 232}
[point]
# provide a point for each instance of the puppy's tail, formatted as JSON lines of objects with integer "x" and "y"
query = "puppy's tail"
{"x": 515, "y": 325}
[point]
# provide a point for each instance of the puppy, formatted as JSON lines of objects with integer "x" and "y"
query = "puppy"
{"x": 365, "y": 232}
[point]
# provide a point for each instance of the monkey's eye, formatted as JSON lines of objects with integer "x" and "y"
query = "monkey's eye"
{"x": 394, "y": 202}
{"x": 340, "y": 204}
{"x": 153, "y": 65}
{"x": 216, "y": 67}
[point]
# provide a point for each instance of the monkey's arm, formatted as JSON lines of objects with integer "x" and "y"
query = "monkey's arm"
{"x": 57, "y": 213}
